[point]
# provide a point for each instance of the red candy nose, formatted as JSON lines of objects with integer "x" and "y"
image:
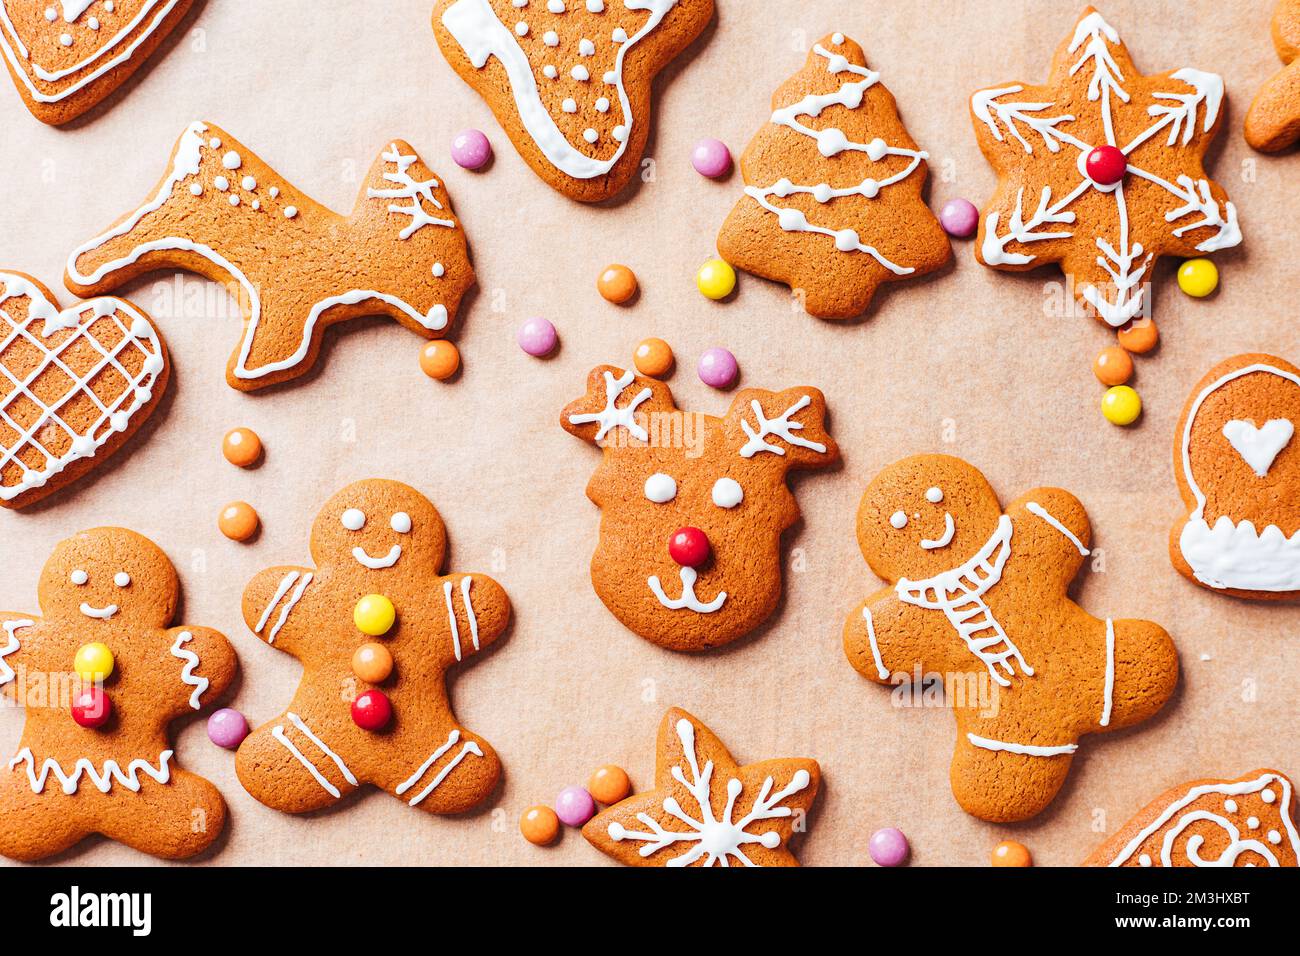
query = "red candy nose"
{"x": 689, "y": 547}
{"x": 1106, "y": 165}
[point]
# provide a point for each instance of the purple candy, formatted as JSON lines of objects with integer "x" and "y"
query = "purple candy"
{"x": 574, "y": 806}
{"x": 959, "y": 218}
{"x": 227, "y": 728}
{"x": 471, "y": 149}
{"x": 888, "y": 847}
{"x": 537, "y": 337}
{"x": 718, "y": 368}
{"x": 711, "y": 158}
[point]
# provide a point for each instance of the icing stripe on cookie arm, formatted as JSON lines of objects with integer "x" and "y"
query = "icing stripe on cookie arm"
{"x": 270, "y": 601}
{"x": 10, "y": 645}
{"x": 207, "y": 664}
{"x": 477, "y": 611}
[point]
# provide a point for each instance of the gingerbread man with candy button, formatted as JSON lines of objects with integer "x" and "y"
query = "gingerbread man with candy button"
{"x": 980, "y": 597}
{"x": 101, "y": 675}
{"x": 376, "y": 626}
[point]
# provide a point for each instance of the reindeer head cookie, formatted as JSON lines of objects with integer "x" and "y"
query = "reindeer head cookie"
{"x": 693, "y": 506}
{"x": 101, "y": 676}
{"x": 376, "y": 626}
{"x": 979, "y": 598}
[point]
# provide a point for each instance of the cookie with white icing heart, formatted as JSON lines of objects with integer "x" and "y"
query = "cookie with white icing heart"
{"x": 75, "y": 385}
{"x": 570, "y": 80}
{"x": 1273, "y": 122}
{"x": 1237, "y": 460}
{"x": 67, "y": 55}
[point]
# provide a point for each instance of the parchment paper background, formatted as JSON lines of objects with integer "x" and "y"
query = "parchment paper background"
{"x": 968, "y": 362}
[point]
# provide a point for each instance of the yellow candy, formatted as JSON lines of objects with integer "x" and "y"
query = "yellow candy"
{"x": 1121, "y": 405}
{"x": 374, "y": 615}
{"x": 93, "y": 662}
{"x": 716, "y": 279}
{"x": 1198, "y": 277}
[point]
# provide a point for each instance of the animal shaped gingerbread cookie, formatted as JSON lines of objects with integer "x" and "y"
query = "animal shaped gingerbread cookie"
{"x": 1238, "y": 468}
{"x": 376, "y": 622}
{"x": 693, "y": 506}
{"x": 94, "y": 755}
{"x": 65, "y": 56}
{"x": 833, "y": 183}
{"x": 75, "y": 385}
{"x": 570, "y": 80}
{"x": 979, "y": 597}
{"x": 295, "y": 266}
{"x": 1273, "y": 122}
{"x": 1242, "y": 822}
{"x": 706, "y": 809}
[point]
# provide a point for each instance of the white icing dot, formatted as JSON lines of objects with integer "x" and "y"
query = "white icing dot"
{"x": 214, "y": 143}
{"x": 290, "y": 212}
{"x": 876, "y": 149}
{"x": 555, "y": 6}
{"x": 234, "y": 199}
{"x": 727, "y": 493}
{"x": 1267, "y": 796}
{"x": 400, "y": 522}
{"x": 79, "y": 577}
{"x": 250, "y": 183}
{"x": 620, "y": 133}
{"x": 439, "y": 270}
{"x": 551, "y": 38}
{"x": 619, "y": 35}
{"x": 822, "y": 192}
{"x": 898, "y": 520}
{"x": 934, "y": 495}
{"x": 586, "y": 47}
{"x": 1230, "y": 806}
{"x": 521, "y": 3}
{"x": 869, "y": 188}
{"x": 590, "y": 135}
{"x": 837, "y": 38}
{"x": 1274, "y": 837}
{"x": 66, "y": 39}
{"x": 222, "y": 183}
{"x": 93, "y": 23}
{"x": 354, "y": 519}
{"x": 122, "y": 579}
{"x": 196, "y": 189}
{"x": 143, "y": 395}
{"x": 51, "y": 14}
{"x": 521, "y": 29}
{"x": 109, "y": 6}
{"x": 846, "y": 240}
{"x": 232, "y": 160}
{"x": 611, "y": 78}
{"x": 602, "y": 105}
{"x": 550, "y": 72}
{"x": 660, "y": 488}
{"x": 580, "y": 73}
{"x": 569, "y": 106}
{"x": 1144, "y": 860}
{"x": 257, "y": 204}
{"x": 1252, "y": 823}
{"x": 274, "y": 191}
{"x": 596, "y": 6}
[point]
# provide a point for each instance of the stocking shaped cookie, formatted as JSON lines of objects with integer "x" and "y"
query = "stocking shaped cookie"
{"x": 1273, "y": 122}
{"x": 1242, "y": 822}
{"x": 67, "y": 55}
{"x": 570, "y": 79}
{"x": 1238, "y": 467}
{"x": 295, "y": 266}
{"x": 101, "y": 676}
{"x": 979, "y": 600}
{"x": 693, "y": 506}
{"x": 376, "y": 627}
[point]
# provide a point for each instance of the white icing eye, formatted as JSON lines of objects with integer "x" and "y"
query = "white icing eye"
{"x": 898, "y": 520}
{"x": 79, "y": 577}
{"x": 354, "y": 519}
{"x": 660, "y": 488}
{"x": 727, "y": 493}
{"x": 401, "y": 522}
{"x": 122, "y": 579}
{"x": 934, "y": 495}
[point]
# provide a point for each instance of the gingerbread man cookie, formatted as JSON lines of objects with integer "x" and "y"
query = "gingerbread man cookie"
{"x": 570, "y": 80}
{"x": 1242, "y": 822}
{"x": 295, "y": 266}
{"x": 101, "y": 675}
{"x": 979, "y": 597}
{"x": 75, "y": 385}
{"x": 693, "y": 506}
{"x": 1273, "y": 122}
{"x": 706, "y": 809}
{"x": 67, "y": 55}
{"x": 376, "y": 626}
{"x": 832, "y": 203}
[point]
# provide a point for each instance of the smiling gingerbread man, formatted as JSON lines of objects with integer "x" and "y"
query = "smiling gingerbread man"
{"x": 375, "y": 626}
{"x": 982, "y": 595}
{"x": 102, "y": 675}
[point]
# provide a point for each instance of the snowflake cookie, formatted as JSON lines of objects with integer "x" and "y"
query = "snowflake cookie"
{"x": 706, "y": 809}
{"x": 1273, "y": 122}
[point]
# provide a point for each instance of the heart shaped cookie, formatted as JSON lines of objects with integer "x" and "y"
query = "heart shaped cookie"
{"x": 75, "y": 384}
{"x": 67, "y": 55}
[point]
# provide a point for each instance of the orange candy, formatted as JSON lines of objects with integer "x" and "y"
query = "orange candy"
{"x": 242, "y": 447}
{"x": 1113, "y": 366}
{"x": 1011, "y": 853}
{"x": 609, "y": 784}
{"x": 1140, "y": 336}
{"x": 617, "y": 284}
{"x": 439, "y": 359}
{"x": 238, "y": 521}
{"x": 539, "y": 825}
{"x": 372, "y": 663}
{"x": 653, "y": 357}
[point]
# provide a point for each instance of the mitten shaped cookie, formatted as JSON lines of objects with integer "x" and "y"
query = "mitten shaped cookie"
{"x": 833, "y": 183}
{"x": 376, "y": 626}
{"x": 295, "y": 266}
{"x": 693, "y": 506}
{"x": 570, "y": 80}
{"x": 979, "y": 597}
{"x": 1273, "y": 122}
{"x": 102, "y": 675}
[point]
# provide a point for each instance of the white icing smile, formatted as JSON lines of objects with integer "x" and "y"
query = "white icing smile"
{"x": 688, "y": 599}
{"x": 99, "y": 613}
{"x": 377, "y": 564}
{"x": 943, "y": 540}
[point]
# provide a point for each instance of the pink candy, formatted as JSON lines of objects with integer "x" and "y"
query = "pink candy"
{"x": 471, "y": 149}
{"x": 711, "y": 158}
{"x": 574, "y": 806}
{"x": 888, "y": 847}
{"x": 718, "y": 368}
{"x": 959, "y": 218}
{"x": 537, "y": 337}
{"x": 227, "y": 728}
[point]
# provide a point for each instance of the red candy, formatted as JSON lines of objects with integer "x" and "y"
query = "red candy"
{"x": 689, "y": 547}
{"x": 372, "y": 710}
{"x": 1106, "y": 165}
{"x": 92, "y": 708}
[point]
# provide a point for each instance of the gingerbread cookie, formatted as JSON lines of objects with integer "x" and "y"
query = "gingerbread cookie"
{"x": 693, "y": 506}
{"x": 66, "y": 56}
{"x": 1273, "y": 122}
{"x": 75, "y": 385}
{"x": 295, "y": 266}
{"x": 1239, "y": 475}
{"x": 706, "y": 809}
{"x": 570, "y": 80}
{"x": 1242, "y": 822}
{"x": 376, "y": 626}
{"x": 1100, "y": 170}
{"x": 101, "y": 676}
{"x": 833, "y": 185}
{"x": 979, "y": 597}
